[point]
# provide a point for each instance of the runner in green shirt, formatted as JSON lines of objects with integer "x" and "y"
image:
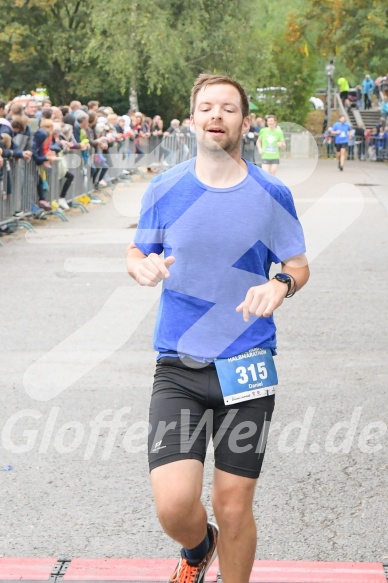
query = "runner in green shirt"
{"x": 270, "y": 139}
{"x": 343, "y": 85}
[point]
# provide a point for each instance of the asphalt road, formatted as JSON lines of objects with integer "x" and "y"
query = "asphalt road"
{"x": 76, "y": 366}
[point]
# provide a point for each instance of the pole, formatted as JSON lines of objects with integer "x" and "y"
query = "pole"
{"x": 328, "y": 100}
{"x": 329, "y": 72}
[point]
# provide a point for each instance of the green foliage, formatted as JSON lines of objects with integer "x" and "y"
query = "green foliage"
{"x": 168, "y": 44}
{"x": 156, "y": 49}
{"x": 352, "y": 31}
{"x": 42, "y": 42}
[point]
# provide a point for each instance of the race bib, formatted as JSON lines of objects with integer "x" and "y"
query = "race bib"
{"x": 250, "y": 375}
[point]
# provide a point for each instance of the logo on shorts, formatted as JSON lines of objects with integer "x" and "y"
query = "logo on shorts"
{"x": 157, "y": 447}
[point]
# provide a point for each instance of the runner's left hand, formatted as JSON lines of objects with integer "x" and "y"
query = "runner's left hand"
{"x": 262, "y": 300}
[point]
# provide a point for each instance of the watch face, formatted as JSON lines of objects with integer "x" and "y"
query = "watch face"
{"x": 287, "y": 279}
{"x": 283, "y": 277}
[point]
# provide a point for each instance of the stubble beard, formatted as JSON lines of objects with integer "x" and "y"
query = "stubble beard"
{"x": 217, "y": 150}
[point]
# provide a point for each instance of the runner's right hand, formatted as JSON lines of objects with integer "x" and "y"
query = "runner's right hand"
{"x": 153, "y": 269}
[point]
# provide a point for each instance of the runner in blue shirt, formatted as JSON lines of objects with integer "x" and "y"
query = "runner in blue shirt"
{"x": 220, "y": 223}
{"x": 341, "y": 132}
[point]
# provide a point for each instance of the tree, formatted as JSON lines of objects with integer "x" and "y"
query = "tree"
{"x": 354, "y": 31}
{"x": 43, "y": 42}
{"x": 168, "y": 43}
{"x": 151, "y": 51}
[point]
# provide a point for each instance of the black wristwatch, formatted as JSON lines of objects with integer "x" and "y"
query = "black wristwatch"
{"x": 288, "y": 280}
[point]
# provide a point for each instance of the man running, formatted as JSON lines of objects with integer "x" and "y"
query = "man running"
{"x": 341, "y": 130}
{"x": 270, "y": 139}
{"x": 343, "y": 85}
{"x": 220, "y": 223}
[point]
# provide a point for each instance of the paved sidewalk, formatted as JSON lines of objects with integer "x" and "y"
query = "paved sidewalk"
{"x": 75, "y": 434}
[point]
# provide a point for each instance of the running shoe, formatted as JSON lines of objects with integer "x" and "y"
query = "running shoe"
{"x": 46, "y": 206}
{"x": 188, "y": 571}
{"x": 62, "y": 203}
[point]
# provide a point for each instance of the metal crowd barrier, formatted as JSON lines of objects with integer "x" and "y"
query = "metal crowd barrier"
{"x": 370, "y": 149}
{"x": 19, "y": 182}
{"x": 378, "y": 149}
{"x": 164, "y": 150}
{"x": 18, "y": 188}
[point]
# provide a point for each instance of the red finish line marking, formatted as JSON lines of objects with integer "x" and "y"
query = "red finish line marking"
{"x": 316, "y": 572}
{"x": 25, "y": 568}
{"x": 263, "y": 571}
{"x": 126, "y": 570}
{"x": 161, "y": 569}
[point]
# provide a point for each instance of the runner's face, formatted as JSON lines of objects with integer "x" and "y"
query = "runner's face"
{"x": 217, "y": 120}
{"x": 271, "y": 122}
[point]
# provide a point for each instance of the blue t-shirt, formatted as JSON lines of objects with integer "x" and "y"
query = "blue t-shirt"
{"x": 344, "y": 128}
{"x": 224, "y": 241}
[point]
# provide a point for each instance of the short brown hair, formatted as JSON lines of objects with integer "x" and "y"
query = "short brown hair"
{"x": 205, "y": 79}
{"x": 47, "y": 113}
{"x": 16, "y": 108}
{"x": 18, "y": 123}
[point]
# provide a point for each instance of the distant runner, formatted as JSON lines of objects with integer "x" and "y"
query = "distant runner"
{"x": 270, "y": 139}
{"x": 341, "y": 130}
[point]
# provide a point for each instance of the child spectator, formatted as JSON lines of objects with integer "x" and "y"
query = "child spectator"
{"x": 43, "y": 154}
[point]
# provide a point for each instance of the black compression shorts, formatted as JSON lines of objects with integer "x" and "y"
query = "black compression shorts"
{"x": 339, "y": 147}
{"x": 187, "y": 408}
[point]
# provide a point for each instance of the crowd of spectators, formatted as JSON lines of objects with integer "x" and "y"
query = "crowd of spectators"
{"x": 369, "y": 94}
{"x": 37, "y": 130}
{"x": 363, "y": 144}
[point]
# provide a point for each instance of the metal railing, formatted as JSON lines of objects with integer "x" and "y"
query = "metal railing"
{"x": 19, "y": 182}
{"x": 369, "y": 149}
